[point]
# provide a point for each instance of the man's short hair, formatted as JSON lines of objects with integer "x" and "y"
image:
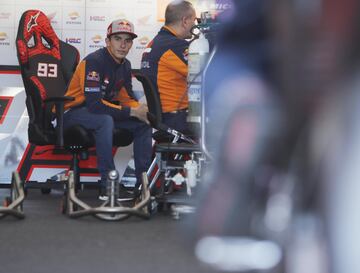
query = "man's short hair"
{"x": 176, "y": 10}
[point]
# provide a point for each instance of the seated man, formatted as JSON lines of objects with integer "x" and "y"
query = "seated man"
{"x": 101, "y": 78}
{"x": 164, "y": 61}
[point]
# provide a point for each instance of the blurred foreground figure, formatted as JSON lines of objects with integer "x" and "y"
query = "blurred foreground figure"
{"x": 283, "y": 93}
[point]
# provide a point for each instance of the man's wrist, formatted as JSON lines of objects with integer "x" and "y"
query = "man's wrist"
{"x": 126, "y": 110}
{"x": 132, "y": 112}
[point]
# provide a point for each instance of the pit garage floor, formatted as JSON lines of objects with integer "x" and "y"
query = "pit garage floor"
{"x": 47, "y": 241}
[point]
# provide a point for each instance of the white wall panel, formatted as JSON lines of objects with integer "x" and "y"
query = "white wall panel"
{"x": 74, "y": 18}
{"x": 7, "y": 45}
{"x": 94, "y": 40}
{"x": 75, "y": 38}
{"x": 88, "y": 19}
{"x": 97, "y": 18}
{"x": 73, "y": 3}
{"x": 7, "y": 16}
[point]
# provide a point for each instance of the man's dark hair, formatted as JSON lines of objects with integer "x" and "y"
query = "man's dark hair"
{"x": 176, "y": 10}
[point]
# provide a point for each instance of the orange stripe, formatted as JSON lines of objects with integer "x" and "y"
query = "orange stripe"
{"x": 76, "y": 86}
{"x": 111, "y": 104}
{"x": 125, "y": 99}
{"x": 172, "y": 84}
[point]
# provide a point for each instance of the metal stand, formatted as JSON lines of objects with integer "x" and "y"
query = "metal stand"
{"x": 14, "y": 203}
{"x": 111, "y": 209}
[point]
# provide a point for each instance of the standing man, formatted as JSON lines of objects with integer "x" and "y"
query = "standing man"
{"x": 165, "y": 62}
{"x": 104, "y": 100}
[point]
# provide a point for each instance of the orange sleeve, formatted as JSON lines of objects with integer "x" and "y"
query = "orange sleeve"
{"x": 76, "y": 86}
{"x": 125, "y": 99}
{"x": 173, "y": 62}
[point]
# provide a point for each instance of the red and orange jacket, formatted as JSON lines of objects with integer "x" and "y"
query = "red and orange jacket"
{"x": 164, "y": 61}
{"x": 102, "y": 85}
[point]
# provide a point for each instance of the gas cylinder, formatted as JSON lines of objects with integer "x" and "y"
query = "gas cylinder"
{"x": 197, "y": 58}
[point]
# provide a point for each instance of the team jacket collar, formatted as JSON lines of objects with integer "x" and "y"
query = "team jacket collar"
{"x": 169, "y": 29}
{"x": 111, "y": 59}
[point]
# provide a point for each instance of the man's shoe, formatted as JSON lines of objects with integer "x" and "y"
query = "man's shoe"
{"x": 125, "y": 194}
{"x": 102, "y": 194}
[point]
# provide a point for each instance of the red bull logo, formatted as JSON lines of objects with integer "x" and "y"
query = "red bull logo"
{"x": 93, "y": 76}
{"x": 123, "y": 25}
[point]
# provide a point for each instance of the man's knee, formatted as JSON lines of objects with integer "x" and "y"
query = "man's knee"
{"x": 144, "y": 129}
{"x": 106, "y": 122}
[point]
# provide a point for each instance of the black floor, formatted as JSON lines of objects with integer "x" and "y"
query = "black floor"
{"x": 47, "y": 241}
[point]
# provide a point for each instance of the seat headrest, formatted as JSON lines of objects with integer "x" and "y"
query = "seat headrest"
{"x": 36, "y": 36}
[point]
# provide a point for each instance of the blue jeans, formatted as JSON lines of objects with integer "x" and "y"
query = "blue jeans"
{"x": 176, "y": 121}
{"x": 102, "y": 126}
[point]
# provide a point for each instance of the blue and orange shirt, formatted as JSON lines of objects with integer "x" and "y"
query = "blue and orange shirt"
{"x": 164, "y": 61}
{"x": 102, "y": 85}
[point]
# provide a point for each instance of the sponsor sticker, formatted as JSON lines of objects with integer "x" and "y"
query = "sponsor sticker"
{"x": 92, "y": 89}
{"x": 186, "y": 54}
{"x": 93, "y": 76}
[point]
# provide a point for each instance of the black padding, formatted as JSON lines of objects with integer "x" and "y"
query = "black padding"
{"x": 78, "y": 136}
{"x": 152, "y": 98}
{"x": 160, "y": 136}
{"x": 177, "y": 147}
{"x": 70, "y": 62}
{"x": 122, "y": 137}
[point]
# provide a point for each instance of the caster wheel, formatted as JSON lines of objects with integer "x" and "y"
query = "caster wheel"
{"x": 63, "y": 206}
{"x": 152, "y": 207}
{"x": 7, "y": 201}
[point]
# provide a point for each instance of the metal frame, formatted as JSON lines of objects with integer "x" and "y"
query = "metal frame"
{"x": 17, "y": 196}
{"x": 203, "y": 143}
{"x": 110, "y": 210}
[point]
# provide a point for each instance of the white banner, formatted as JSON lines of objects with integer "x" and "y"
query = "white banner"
{"x": 74, "y": 18}
{"x": 7, "y": 46}
{"x": 76, "y": 39}
{"x": 97, "y": 18}
{"x": 94, "y": 41}
{"x": 83, "y": 23}
{"x": 7, "y": 16}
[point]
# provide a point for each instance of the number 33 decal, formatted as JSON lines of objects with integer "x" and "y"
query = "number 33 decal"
{"x": 47, "y": 70}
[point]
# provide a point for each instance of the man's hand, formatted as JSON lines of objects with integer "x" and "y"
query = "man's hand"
{"x": 140, "y": 112}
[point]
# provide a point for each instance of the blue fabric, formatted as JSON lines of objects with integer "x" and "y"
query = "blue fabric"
{"x": 176, "y": 121}
{"x": 102, "y": 126}
{"x": 104, "y": 78}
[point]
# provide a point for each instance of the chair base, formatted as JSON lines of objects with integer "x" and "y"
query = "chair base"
{"x": 14, "y": 203}
{"x": 110, "y": 210}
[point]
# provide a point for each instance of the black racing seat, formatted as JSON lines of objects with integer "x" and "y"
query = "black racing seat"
{"x": 171, "y": 147}
{"x": 164, "y": 133}
{"x": 47, "y": 65}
